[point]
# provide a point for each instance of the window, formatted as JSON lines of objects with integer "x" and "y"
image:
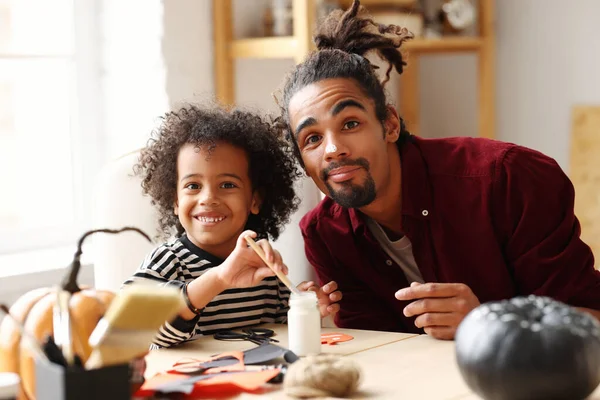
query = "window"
{"x": 42, "y": 141}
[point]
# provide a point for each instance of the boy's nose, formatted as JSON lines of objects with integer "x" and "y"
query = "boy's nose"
{"x": 208, "y": 198}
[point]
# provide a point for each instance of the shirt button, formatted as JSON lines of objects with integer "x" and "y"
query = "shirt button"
{"x": 388, "y": 262}
{"x": 425, "y": 213}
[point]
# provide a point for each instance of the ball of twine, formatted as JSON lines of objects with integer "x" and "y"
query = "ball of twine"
{"x": 322, "y": 375}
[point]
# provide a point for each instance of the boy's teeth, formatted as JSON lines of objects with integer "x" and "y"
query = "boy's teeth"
{"x": 208, "y": 219}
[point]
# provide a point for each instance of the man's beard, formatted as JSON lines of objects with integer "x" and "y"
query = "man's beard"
{"x": 352, "y": 196}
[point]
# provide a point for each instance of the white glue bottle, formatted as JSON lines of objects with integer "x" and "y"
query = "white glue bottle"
{"x": 304, "y": 324}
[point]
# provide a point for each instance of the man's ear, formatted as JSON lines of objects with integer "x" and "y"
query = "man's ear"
{"x": 392, "y": 125}
{"x": 256, "y": 202}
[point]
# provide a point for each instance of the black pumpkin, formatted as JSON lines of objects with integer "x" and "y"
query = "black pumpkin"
{"x": 529, "y": 348}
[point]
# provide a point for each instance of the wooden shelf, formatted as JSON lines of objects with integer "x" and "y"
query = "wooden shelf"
{"x": 445, "y": 45}
{"x": 286, "y": 46}
{"x": 269, "y": 47}
{"x": 298, "y": 46}
{"x": 369, "y": 3}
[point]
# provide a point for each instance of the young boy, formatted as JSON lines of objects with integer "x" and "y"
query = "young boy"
{"x": 217, "y": 176}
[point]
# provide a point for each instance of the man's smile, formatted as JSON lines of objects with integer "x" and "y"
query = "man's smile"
{"x": 342, "y": 174}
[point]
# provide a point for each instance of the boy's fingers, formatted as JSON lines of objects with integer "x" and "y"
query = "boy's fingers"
{"x": 277, "y": 259}
{"x": 241, "y": 242}
{"x": 280, "y": 268}
{"x": 285, "y": 269}
{"x": 263, "y": 272}
{"x": 272, "y": 255}
{"x": 264, "y": 244}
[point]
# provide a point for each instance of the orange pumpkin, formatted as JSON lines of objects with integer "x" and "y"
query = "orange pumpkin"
{"x": 35, "y": 311}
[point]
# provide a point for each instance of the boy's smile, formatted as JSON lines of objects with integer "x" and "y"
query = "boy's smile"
{"x": 209, "y": 218}
{"x": 214, "y": 195}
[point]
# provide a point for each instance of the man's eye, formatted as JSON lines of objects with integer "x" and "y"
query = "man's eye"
{"x": 312, "y": 139}
{"x": 192, "y": 186}
{"x": 228, "y": 185}
{"x": 351, "y": 124}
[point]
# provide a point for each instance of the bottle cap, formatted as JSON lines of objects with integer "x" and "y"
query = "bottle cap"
{"x": 308, "y": 297}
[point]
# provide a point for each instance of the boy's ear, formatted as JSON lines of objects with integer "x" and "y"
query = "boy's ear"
{"x": 176, "y": 208}
{"x": 256, "y": 202}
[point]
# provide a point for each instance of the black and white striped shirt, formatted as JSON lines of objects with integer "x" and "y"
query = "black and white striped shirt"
{"x": 180, "y": 261}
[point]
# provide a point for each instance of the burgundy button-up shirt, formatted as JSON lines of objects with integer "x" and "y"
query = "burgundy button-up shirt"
{"x": 495, "y": 216}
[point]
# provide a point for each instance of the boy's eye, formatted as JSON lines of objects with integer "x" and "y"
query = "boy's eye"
{"x": 228, "y": 185}
{"x": 351, "y": 124}
{"x": 192, "y": 186}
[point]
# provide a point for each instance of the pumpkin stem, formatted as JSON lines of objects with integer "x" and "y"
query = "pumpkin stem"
{"x": 70, "y": 281}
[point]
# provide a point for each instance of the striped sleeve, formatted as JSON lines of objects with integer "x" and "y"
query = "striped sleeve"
{"x": 284, "y": 298}
{"x": 163, "y": 267}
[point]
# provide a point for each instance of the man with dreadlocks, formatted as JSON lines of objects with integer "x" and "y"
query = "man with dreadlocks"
{"x": 418, "y": 232}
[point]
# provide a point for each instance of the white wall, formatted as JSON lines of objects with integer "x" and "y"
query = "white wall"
{"x": 155, "y": 54}
{"x": 187, "y": 49}
{"x": 548, "y": 61}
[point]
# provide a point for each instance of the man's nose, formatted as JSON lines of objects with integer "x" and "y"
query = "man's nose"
{"x": 335, "y": 149}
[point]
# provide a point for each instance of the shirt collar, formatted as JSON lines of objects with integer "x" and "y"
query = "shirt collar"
{"x": 203, "y": 254}
{"x": 416, "y": 188}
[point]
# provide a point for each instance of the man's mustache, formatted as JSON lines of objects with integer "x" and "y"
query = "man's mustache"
{"x": 360, "y": 162}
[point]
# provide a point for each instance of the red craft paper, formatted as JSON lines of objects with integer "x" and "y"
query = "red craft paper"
{"x": 247, "y": 381}
{"x": 251, "y": 380}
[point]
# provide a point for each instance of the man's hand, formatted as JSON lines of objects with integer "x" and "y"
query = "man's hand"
{"x": 439, "y": 307}
{"x": 327, "y": 296}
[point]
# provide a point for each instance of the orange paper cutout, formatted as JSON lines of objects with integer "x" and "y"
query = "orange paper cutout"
{"x": 334, "y": 338}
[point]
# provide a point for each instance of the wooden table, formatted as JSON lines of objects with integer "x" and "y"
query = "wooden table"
{"x": 204, "y": 347}
{"x": 394, "y": 365}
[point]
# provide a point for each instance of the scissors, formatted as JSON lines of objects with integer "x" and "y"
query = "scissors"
{"x": 254, "y": 335}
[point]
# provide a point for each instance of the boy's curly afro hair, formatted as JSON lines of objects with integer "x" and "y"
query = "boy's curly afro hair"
{"x": 272, "y": 171}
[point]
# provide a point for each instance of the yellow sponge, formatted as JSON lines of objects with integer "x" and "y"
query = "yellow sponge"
{"x": 131, "y": 322}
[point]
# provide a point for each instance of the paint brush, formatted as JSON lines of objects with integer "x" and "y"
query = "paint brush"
{"x": 282, "y": 277}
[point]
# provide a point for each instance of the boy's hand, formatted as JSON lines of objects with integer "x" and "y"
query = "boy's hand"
{"x": 244, "y": 268}
{"x": 327, "y": 296}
